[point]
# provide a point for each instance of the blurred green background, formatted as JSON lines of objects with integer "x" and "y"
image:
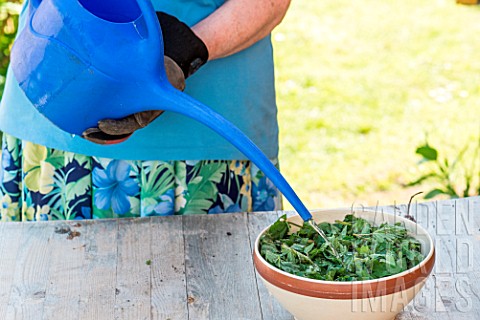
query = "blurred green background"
{"x": 361, "y": 85}
{"x": 8, "y": 25}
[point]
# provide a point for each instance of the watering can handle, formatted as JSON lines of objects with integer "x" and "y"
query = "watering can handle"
{"x": 153, "y": 26}
{"x": 33, "y": 5}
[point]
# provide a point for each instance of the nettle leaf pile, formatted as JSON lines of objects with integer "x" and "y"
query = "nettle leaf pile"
{"x": 365, "y": 251}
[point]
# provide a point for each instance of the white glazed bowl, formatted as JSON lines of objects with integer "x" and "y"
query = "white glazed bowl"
{"x": 379, "y": 299}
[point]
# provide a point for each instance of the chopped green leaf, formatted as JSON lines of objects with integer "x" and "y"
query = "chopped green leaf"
{"x": 365, "y": 251}
{"x": 279, "y": 229}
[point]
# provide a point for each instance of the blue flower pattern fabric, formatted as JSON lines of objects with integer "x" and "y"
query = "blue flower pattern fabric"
{"x": 114, "y": 187}
{"x": 264, "y": 193}
{"x": 39, "y": 184}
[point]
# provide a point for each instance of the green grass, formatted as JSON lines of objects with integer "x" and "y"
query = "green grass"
{"x": 361, "y": 83}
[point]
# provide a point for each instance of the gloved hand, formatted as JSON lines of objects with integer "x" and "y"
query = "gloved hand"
{"x": 184, "y": 53}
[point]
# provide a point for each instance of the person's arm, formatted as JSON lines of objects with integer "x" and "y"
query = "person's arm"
{"x": 238, "y": 24}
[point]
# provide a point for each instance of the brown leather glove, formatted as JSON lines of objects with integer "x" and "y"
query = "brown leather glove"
{"x": 184, "y": 53}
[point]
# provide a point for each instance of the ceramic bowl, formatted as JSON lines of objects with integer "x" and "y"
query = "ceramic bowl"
{"x": 378, "y": 299}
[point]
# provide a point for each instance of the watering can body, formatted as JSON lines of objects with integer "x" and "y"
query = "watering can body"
{"x": 66, "y": 53}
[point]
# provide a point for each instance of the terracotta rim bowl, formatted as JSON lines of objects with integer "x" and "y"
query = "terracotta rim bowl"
{"x": 352, "y": 289}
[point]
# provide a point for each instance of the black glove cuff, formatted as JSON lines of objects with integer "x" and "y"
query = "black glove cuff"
{"x": 182, "y": 45}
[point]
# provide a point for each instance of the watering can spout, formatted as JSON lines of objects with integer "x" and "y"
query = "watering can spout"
{"x": 177, "y": 101}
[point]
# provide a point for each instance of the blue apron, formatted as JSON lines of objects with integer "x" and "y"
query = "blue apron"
{"x": 239, "y": 87}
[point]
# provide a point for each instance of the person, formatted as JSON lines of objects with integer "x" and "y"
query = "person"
{"x": 166, "y": 163}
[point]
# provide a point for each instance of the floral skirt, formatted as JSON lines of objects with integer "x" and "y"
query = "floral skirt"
{"x": 40, "y": 183}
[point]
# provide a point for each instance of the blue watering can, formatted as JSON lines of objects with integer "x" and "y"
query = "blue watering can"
{"x": 81, "y": 61}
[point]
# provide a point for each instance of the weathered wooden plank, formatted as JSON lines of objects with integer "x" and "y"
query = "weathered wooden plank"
{"x": 132, "y": 299}
{"x": 168, "y": 289}
{"x": 220, "y": 275}
{"x": 31, "y": 273}
{"x": 271, "y": 308}
{"x": 97, "y": 297}
{"x": 406, "y": 314}
{"x": 446, "y": 296}
{"x": 467, "y": 273}
{"x": 11, "y": 235}
{"x": 65, "y": 281}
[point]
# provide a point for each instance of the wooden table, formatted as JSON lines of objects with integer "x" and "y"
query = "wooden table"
{"x": 199, "y": 267}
